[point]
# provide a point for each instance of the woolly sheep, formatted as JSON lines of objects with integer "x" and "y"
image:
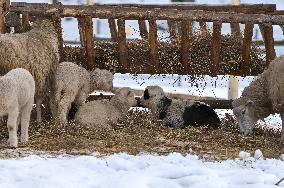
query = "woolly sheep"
{"x": 178, "y": 113}
{"x": 17, "y": 90}
{"x": 261, "y": 98}
{"x": 102, "y": 113}
{"x": 35, "y": 51}
{"x": 73, "y": 83}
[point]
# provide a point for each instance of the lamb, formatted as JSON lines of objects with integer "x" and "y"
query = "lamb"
{"x": 17, "y": 90}
{"x": 178, "y": 113}
{"x": 261, "y": 98}
{"x": 73, "y": 83}
{"x": 103, "y": 113}
{"x": 35, "y": 51}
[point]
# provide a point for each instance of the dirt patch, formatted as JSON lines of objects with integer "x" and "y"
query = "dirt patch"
{"x": 138, "y": 134}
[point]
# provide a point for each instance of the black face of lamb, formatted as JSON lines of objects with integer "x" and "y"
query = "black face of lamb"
{"x": 146, "y": 94}
{"x": 200, "y": 114}
{"x": 163, "y": 106}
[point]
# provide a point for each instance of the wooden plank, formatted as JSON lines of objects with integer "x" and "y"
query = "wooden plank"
{"x": 203, "y": 27}
{"x": 185, "y": 45}
{"x": 235, "y": 29}
{"x": 267, "y": 35}
{"x": 25, "y": 22}
{"x": 173, "y": 29}
{"x": 58, "y": 29}
{"x": 113, "y": 30}
{"x": 81, "y": 27}
{"x": 89, "y": 42}
{"x": 153, "y": 45}
{"x": 216, "y": 47}
{"x": 2, "y": 15}
{"x": 106, "y": 12}
{"x": 248, "y": 32}
{"x": 123, "y": 54}
{"x": 143, "y": 29}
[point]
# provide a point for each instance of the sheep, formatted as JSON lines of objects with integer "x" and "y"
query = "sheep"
{"x": 35, "y": 51}
{"x": 178, "y": 113}
{"x": 264, "y": 96}
{"x": 17, "y": 91}
{"x": 73, "y": 83}
{"x": 103, "y": 113}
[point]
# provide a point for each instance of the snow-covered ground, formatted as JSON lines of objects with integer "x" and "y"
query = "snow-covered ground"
{"x": 141, "y": 171}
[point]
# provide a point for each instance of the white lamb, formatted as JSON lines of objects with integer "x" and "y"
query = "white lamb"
{"x": 17, "y": 90}
{"x": 103, "y": 113}
{"x": 73, "y": 83}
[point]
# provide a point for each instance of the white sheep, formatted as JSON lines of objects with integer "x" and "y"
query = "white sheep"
{"x": 261, "y": 98}
{"x": 73, "y": 83}
{"x": 17, "y": 90}
{"x": 103, "y": 113}
{"x": 35, "y": 51}
{"x": 178, "y": 113}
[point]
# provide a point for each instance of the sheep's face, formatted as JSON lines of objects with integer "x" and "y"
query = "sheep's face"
{"x": 126, "y": 96}
{"x": 245, "y": 117}
{"x": 151, "y": 94}
{"x": 101, "y": 80}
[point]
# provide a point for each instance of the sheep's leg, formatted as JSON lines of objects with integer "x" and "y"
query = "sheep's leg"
{"x": 25, "y": 120}
{"x": 12, "y": 127}
{"x": 63, "y": 108}
{"x": 38, "y": 110}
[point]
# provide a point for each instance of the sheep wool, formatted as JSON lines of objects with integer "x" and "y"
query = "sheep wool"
{"x": 35, "y": 51}
{"x": 178, "y": 113}
{"x": 17, "y": 90}
{"x": 73, "y": 83}
{"x": 103, "y": 113}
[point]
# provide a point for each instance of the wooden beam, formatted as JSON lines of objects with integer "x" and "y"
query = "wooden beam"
{"x": 153, "y": 45}
{"x": 123, "y": 54}
{"x": 89, "y": 42}
{"x": 185, "y": 45}
{"x": 267, "y": 35}
{"x": 25, "y": 22}
{"x": 143, "y": 29}
{"x": 173, "y": 29}
{"x": 203, "y": 27}
{"x": 235, "y": 29}
{"x": 113, "y": 30}
{"x": 216, "y": 47}
{"x": 58, "y": 29}
{"x": 248, "y": 33}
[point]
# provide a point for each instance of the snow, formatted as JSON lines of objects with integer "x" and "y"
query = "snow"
{"x": 123, "y": 170}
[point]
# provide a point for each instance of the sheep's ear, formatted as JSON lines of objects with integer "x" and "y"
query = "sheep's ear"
{"x": 249, "y": 103}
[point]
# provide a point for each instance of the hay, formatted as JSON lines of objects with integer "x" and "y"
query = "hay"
{"x": 138, "y": 134}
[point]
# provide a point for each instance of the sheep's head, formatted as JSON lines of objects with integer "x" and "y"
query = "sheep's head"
{"x": 101, "y": 79}
{"x": 126, "y": 96}
{"x": 151, "y": 94}
{"x": 245, "y": 117}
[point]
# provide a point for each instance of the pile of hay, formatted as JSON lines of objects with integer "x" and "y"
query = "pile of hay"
{"x": 138, "y": 134}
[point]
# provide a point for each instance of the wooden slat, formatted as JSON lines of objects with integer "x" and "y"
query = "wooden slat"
{"x": 282, "y": 27}
{"x": 25, "y": 22}
{"x": 143, "y": 29}
{"x": 185, "y": 45}
{"x": 89, "y": 42}
{"x": 58, "y": 28}
{"x": 248, "y": 33}
{"x": 173, "y": 29}
{"x": 203, "y": 27}
{"x": 113, "y": 30}
{"x": 123, "y": 54}
{"x": 235, "y": 29}
{"x": 153, "y": 45}
{"x": 81, "y": 27}
{"x": 267, "y": 35}
{"x": 216, "y": 47}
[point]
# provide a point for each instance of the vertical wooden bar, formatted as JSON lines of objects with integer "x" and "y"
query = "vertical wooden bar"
{"x": 248, "y": 33}
{"x": 25, "y": 22}
{"x": 122, "y": 44}
{"x": 81, "y": 27}
{"x": 173, "y": 29}
{"x": 282, "y": 27}
{"x": 143, "y": 29}
{"x": 89, "y": 42}
{"x": 203, "y": 27}
{"x": 185, "y": 45}
{"x": 267, "y": 35}
{"x": 235, "y": 29}
{"x": 4, "y": 8}
{"x": 113, "y": 30}
{"x": 216, "y": 47}
{"x": 153, "y": 45}
{"x": 58, "y": 29}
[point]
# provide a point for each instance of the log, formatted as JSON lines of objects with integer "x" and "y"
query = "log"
{"x": 235, "y": 29}
{"x": 143, "y": 29}
{"x": 185, "y": 45}
{"x": 123, "y": 56}
{"x": 216, "y": 47}
{"x": 113, "y": 30}
{"x": 153, "y": 45}
{"x": 246, "y": 47}
{"x": 89, "y": 42}
{"x": 267, "y": 35}
{"x": 25, "y": 22}
{"x": 173, "y": 29}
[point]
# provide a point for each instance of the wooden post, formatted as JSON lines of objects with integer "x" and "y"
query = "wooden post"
{"x": 26, "y": 22}
{"x": 203, "y": 27}
{"x": 246, "y": 47}
{"x": 173, "y": 29}
{"x": 4, "y": 8}
{"x": 122, "y": 49}
{"x": 185, "y": 45}
{"x": 267, "y": 35}
{"x": 58, "y": 29}
{"x": 89, "y": 42}
{"x": 216, "y": 47}
{"x": 113, "y": 30}
{"x": 233, "y": 85}
{"x": 153, "y": 45}
{"x": 143, "y": 29}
